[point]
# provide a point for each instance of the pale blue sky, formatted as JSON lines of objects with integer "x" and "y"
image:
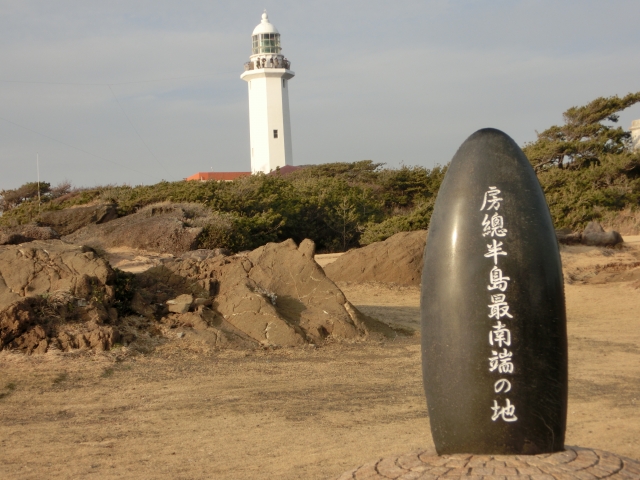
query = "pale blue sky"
{"x": 139, "y": 91}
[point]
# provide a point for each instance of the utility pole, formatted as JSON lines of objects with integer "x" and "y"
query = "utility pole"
{"x": 38, "y": 170}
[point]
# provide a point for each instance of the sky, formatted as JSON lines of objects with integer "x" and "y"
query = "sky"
{"x": 139, "y": 91}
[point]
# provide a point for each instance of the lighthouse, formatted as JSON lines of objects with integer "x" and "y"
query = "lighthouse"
{"x": 635, "y": 135}
{"x": 268, "y": 73}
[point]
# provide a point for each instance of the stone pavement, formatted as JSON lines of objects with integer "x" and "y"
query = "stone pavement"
{"x": 573, "y": 463}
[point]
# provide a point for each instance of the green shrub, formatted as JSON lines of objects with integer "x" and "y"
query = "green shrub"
{"x": 417, "y": 219}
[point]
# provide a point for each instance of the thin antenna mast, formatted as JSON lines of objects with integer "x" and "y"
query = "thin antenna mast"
{"x": 38, "y": 169}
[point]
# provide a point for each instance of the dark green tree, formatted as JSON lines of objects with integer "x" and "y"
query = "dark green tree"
{"x": 12, "y": 198}
{"x": 583, "y": 139}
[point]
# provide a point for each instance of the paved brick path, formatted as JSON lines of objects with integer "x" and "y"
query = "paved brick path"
{"x": 573, "y": 463}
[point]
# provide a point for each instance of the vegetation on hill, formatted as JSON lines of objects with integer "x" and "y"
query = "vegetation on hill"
{"x": 586, "y": 168}
{"x": 337, "y": 205}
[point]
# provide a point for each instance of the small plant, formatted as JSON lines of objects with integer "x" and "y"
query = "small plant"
{"x": 60, "y": 378}
{"x": 9, "y": 387}
{"x": 97, "y": 294}
{"x": 107, "y": 372}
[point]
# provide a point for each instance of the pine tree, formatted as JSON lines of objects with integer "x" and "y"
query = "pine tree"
{"x": 583, "y": 139}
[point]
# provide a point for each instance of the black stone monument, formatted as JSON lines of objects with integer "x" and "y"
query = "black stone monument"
{"x": 494, "y": 342}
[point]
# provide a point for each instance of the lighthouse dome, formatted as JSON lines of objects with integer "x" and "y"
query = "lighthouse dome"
{"x": 265, "y": 38}
{"x": 265, "y": 26}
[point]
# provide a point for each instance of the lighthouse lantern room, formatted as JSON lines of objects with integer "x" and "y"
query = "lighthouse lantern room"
{"x": 268, "y": 73}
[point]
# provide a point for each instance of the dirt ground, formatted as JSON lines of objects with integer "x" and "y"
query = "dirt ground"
{"x": 181, "y": 411}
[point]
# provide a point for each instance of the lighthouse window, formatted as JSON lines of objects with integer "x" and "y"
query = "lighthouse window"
{"x": 266, "y": 43}
{"x": 275, "y": 134}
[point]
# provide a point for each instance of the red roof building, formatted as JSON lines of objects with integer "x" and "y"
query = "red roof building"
{"x": 287, "y": 169}
{"x": 217, "y": 176}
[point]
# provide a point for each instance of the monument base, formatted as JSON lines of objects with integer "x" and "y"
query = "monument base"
{"x": 574, "y": 462}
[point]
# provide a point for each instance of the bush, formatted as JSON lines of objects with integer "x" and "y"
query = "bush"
{"x": 596, "y": 192}
{"x": 417, "y": 219}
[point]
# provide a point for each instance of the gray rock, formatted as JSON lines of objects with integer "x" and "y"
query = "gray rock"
{"x": 594, "y": 235}
{"x": 180, "y": 304}
{"x": 43, "y": 267}
{"x": 26, "y": 233}
{"x": 602, "y": 239}
{"x": 593, "y": 227}
{"x": 162, "y": 230}
{"x": 69, "y": 283}
{"x": 71, "y": 219}
{"x": 568, "y": 237}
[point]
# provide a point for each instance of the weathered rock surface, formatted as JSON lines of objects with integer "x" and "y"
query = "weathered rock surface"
{"x": 71, "y": 219}
{"x": 59, "y": 295}
{"x": 568, "y": 237}
{"x": 180, "y": 304}
{"x": 396, "y": 260}
{"x": 274, "y": 295}
{"x": 593, "y": 227}
{"x": 42, "y": 267}
{"x": 593, "y": 235}
{"x": 46, "y": 284}
{"x": 26, "y": 233}
{"x": 162, "y": 229}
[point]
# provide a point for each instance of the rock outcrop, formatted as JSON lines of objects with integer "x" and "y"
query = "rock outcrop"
{"x": 396, "y": 260}
{"x": 58, "y": 295}
{"x": 274, "y": 295}
{"x": 593, "y": 235}
{"x": 161, "y": 228}
{"x": 55, "y": 294}
{"x": 568, "y": 237}
{"x": 26, "y": 233}
{"x": 69, "y": 220}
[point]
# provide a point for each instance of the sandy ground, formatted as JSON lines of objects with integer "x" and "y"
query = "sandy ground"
{"x": 184, "y": 412}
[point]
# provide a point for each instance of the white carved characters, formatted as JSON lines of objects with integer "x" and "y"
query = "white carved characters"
{"x": 501, "y": 359}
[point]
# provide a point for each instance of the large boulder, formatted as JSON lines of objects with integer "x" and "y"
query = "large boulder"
{"x": 593, "y": 227}
{"x": 44, "y": 285}
{"x": 40, "y": 267}
{"x": 69, "y": 220}
{"x": 58, "y": 295}
{"x": 274, "y": 295}
{"x": 594, "y": 235}
{"x": 161, "y": 228}
{"x": 396, "y": 260}
{"x": 26, "y": 233}
{"x": 602, "y": 239}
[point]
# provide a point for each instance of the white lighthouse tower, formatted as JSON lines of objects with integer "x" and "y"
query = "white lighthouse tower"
{"x": 267, "y": 73}
{"x": 635, "y": 135}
